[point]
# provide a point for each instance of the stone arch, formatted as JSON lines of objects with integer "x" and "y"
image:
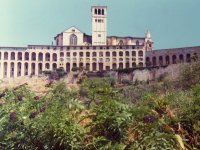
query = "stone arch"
{"x": 160, "y": 60}
{"x": 154, "y": 61}
{"x": 5, "y": 55}
{"x": 127, "y": 53}
{"x": 54, "y": 66}
{"x": 32, "y": 68}
{"x": 12, "y": 69}
{"x": 140, "y": 64}
{"x": 94, "y": 54}
{"x": 54, "y": 57}
{"x": 181, "y": 58}
{"x": 107, "y": 54}
{"x": 174, "y": 59}
{"x": 99, "y": 11}
{"x": 47, "y": 57}
{"x": 87, "y": 54}
{"x": 39, "y": 68}
{"x": 47, "y": 66}
{"x": 12, "y": 55}
{"x": 188, "y": 58}
{"x": 19, "y": 66}
{"x": 94, "y": 66}
{"x": 120, "y": 65}
{"x": 133, "y": 53}
{"x": 148, "y": 62}
{"x": 73, "y": 40}
{"x": 120, "y": 53}
{"x": 114, "y": 66}
{"x": 167, "y": 60}
{"x": 140, "y": 53}
{"x": 33, "y": 56}
{"x": 26, "y": 68}
{"x": 127, "y": 65}
{"x": 67, "y": 67}
{"x": 5, "y": 68}
{"x": 19, "y": 56}
{"x": 26, "y": 56}
{"x": 114, "y": 54}
{"x": 40, "y": 57}
{"x": 133, "y": 65}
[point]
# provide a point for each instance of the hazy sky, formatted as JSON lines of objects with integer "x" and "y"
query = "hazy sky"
{"x": 172, "y": 23}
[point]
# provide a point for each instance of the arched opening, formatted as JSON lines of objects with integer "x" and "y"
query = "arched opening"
{"x": 127, "y": 65}
{"x": 73, "y": 40}
{"x": 19, "y": 69}
{"x": 140, "y": 53}
{"x": 6, "y": 56}
{"x": 26, "y": 56}
{"x": 181, "y": 58}
{"x": 94, "y": 54}
{"x": 12, "y": 69}
{"x": 94, "y": 66}
{"x": 99, "y": 11}
{"x": 5, "y": 66}
{"x": 68, "y": 67}
{"x": 154, "y": 61}
{"x": 133, "y": 64}
{"x": 40, "y": 68}
{"x": 47, "y": 57}
{"x": 81, "y": 54}
{"x": 33, "y": 56}
{"x": 88, "y": 66}
{"x": 121, "y": 42}
{"x": 188, "y": 58}
{"x": 13, "y": 56}
{"x": 54, "y": 66}
{"x": 167, "y": 60}
{"x": 100, "y": 66}
{"x": 127, "y": 53}
{"x": 114, "y": 54}
{"x": 114, "y": 66}
{"x": 40, "y": 57}
{"x": 121, "y": 53}
{"x": 107, "y": 54}
{"x": 102, "y": 11}
{"x": 120, "y": 65}
{"x": 54, "y": 57}
{"x": 160, "y": 60}
{"x": 133, "y": 53}
{"x": 174, "y": 59}
{"x": 33, "y": 69}
{"x": 47, "y": 66}
{"x": 25, "y": 69}
{"x": 87, "y": 54}
{"x": 148, "y": 62}
{"x": 74, "y": 54}
{"x": 19, "y": 56}
{"x": 140, "y": 64}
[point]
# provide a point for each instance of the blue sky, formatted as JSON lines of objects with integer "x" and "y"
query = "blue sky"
{"x": 172, "y": 23}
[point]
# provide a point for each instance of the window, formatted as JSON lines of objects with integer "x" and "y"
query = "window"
{"x": 102, "y": 11}
{"x": 73, "y": 39}
{"x": 137, "y": 42}
{"x": 121, "y": 42}
{"x": 95, "y": 11}
{"x": 99, "y": 35}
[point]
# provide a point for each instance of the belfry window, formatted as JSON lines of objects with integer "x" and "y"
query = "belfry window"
{"x": 73, "y": 39}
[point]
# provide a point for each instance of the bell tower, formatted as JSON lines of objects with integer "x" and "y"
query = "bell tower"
{"x": 99, "y": 25}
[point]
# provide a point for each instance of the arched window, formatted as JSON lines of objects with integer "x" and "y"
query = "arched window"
{"x": 73, "y": 39}
{"x": 99, "y": 11}
{"x": 121, "y": 42}
{"x": 102, "y": 11}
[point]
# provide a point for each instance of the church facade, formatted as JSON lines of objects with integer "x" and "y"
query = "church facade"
{"x": 96, "y": 52}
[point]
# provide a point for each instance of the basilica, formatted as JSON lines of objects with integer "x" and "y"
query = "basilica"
{"x": 96, "y": 52}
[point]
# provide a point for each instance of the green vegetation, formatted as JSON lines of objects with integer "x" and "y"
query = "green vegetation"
{"x": 102, "y": 115}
